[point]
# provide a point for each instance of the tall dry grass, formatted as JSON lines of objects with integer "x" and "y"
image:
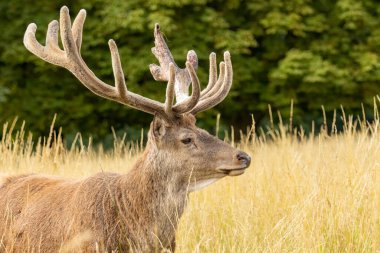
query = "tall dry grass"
{"x": 302, "y": 193}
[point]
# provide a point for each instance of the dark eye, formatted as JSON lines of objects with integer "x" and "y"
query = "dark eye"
{"x": 187, "y": 141}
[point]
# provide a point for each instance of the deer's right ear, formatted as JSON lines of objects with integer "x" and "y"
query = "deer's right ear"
{"x": 158, "y": 127}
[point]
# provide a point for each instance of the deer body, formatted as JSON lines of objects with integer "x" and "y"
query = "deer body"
{"x": 106, "y": 211}
{"x": 138, "y": 211}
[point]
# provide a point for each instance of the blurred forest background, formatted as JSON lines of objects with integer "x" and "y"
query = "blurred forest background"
{"x": 314, "y": 52}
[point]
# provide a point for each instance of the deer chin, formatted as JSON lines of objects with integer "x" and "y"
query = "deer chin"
{"x": 196, "y": 186}
{"x": 231, "y": 170}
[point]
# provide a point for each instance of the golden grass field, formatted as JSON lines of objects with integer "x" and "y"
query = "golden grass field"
{"x": 316, "y": 193}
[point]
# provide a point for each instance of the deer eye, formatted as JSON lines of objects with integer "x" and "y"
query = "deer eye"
{"x": 187, "y": 141}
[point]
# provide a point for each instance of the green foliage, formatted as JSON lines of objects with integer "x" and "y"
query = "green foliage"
{"x": 314, "y": 52}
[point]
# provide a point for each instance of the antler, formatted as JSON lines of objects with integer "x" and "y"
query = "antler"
{"x": 71, "y": 59}
{"x": 216, "y": 89}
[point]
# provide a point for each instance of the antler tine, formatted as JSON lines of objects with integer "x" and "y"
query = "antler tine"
{"x": 67, "y": 37}
{"x": 52, "y": 36}
{"x": 77, "y": 28}
{"x": 213, "y": 75}
{"x": 120, "y": 85}
{"x": 189, "y": 103}
{"x": 30, "y": 40}
{"x": 170, "y": 90}
{"x": 222, "y": 93}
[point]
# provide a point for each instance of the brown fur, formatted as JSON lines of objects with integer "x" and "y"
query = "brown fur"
{"x": 138, "y": 211}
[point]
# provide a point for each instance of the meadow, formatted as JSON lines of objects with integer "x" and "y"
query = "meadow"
{"x": 316, "y": 192}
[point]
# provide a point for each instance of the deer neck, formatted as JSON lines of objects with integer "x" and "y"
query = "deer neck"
{"x": 156, "y": 195}
{"x": 156, "y": 179}
{"x": 156, "y": 170}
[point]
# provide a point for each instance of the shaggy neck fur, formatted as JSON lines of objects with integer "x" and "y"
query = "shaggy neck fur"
{"x": 154, "y": 198}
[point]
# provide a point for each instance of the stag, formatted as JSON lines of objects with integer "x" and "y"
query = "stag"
{"x": 137, "y": 211}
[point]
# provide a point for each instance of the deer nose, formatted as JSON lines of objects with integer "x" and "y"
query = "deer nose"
{"x": 244, "y": 158}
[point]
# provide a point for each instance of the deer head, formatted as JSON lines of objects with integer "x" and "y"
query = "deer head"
{"x": 183, "y": 149}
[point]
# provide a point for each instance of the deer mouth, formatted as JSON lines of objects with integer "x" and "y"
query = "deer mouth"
{"x": 232, "y": 171}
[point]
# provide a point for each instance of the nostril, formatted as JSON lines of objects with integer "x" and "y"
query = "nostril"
{"x": 243, "y": 157}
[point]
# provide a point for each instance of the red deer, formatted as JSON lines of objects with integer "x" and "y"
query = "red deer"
{"x": 137, "y": 211}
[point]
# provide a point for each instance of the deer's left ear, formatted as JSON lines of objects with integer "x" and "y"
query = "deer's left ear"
{"x": 158, "y": 127}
